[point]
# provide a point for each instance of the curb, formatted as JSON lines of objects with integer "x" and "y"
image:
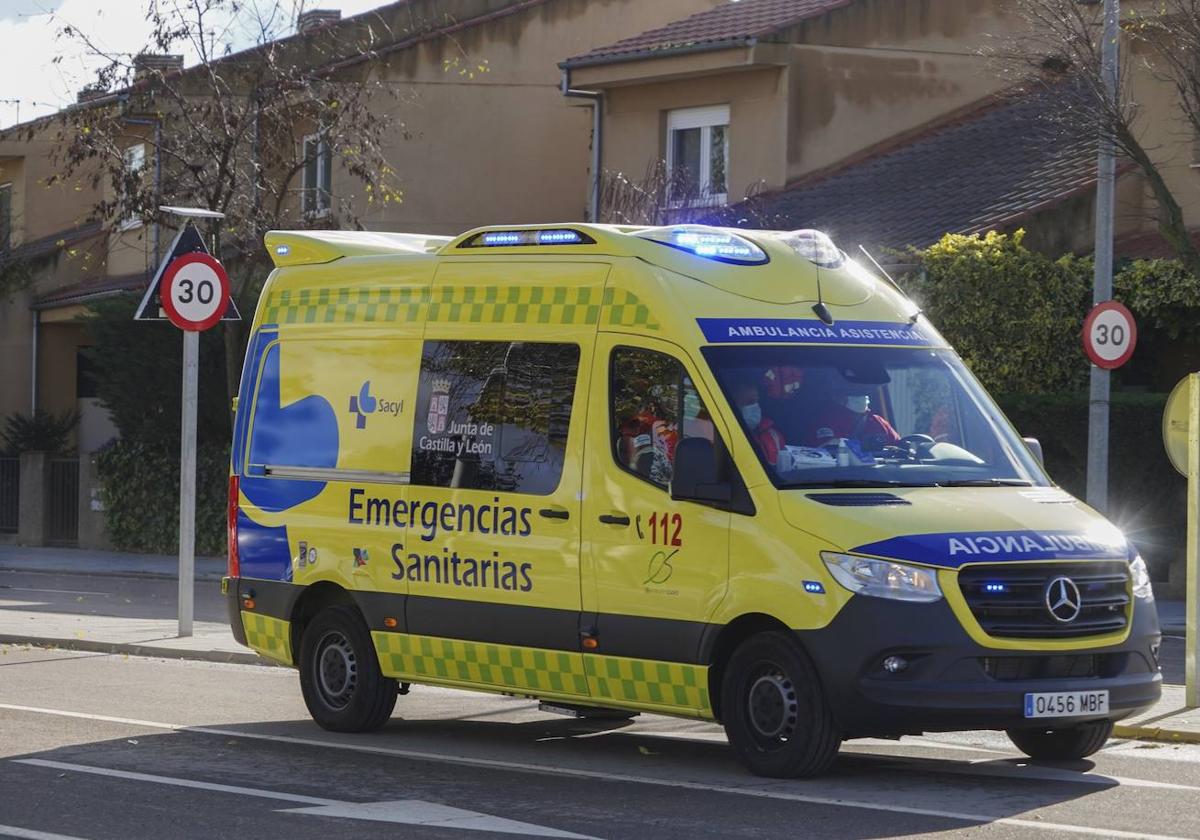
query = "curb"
{"x": 1156, "y": 733}
{"x": 138, "y": 649}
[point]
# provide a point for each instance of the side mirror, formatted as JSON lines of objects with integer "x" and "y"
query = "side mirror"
{"x": 1035, "y": 447}
{"x": 696, "y": 474}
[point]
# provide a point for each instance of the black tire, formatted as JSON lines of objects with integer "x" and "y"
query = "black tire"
{"x": 1068, "y": 744}
{"x": 775, "y": 713}
{"x": 343, "y": 687}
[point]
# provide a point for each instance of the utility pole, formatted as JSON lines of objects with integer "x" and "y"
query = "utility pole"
{"x": 1098, "y": 407}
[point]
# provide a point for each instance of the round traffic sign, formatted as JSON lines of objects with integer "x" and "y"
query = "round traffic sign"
{"x": 194, "y": 292}
{"x": 1176, "y": 424}
{"x": 1109, "y": 335}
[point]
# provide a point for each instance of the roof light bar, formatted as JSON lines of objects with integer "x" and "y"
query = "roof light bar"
{"x": 816, "y": 247}
{"x": 516, "y": 238}
{"x": 710, "y": 243}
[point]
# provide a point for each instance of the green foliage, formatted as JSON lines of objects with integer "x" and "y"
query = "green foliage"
{"x": 1014, "y": 315}
{"x": 43, "y": 431}
{"x": 1147, "y": 498}
{"x": 138, "y": 373}
{"x": 140, "y": 489}
{"x": 1161, "y": 294}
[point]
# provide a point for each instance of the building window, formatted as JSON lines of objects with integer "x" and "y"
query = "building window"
{"x": 653, "y": 405}
{"x": 316, "y": 188}
{"x": 698, "y": 154}
{"x": 5, "y": 217}
{"x": 493, "y": 415}
{"x": 135, "y": 162}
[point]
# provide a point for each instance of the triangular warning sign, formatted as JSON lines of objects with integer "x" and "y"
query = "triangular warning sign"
{"x": 187, "y": 241}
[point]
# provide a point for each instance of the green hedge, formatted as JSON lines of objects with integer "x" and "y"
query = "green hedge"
{"x": 140, "y": 489}
{"x": 1147, "y": 497}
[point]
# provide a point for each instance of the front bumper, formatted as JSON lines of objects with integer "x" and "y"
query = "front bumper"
{"x": 953, "y": 683}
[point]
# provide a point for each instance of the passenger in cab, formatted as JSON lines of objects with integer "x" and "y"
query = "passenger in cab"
{"x": 762, "y": 429}
{"x": 849, "y": 416}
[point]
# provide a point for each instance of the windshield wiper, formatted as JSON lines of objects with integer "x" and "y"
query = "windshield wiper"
{"x": 986, "y": 482}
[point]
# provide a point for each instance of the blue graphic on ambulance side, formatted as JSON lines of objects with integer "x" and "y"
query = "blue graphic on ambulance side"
{"x": 956, "y": 549}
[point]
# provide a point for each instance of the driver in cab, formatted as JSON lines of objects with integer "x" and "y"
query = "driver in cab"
{"x": 849, "y": 416}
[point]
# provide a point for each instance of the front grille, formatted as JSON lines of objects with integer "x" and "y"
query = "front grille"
{"x": 1009, "y": 601}
{"x": 1056, "y": 667}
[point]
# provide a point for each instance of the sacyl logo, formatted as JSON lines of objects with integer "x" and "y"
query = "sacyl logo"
{"x": 1063, "y": 600}
{"x": 362, "y": 404}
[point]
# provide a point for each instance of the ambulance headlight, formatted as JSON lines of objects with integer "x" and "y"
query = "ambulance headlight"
{"x": 1141, "y": 579}
{"x": 883, "y": 578}
{"x": 711, "y": 243}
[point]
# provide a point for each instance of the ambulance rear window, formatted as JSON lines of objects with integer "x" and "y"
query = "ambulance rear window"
{"x": 493, "y": 415}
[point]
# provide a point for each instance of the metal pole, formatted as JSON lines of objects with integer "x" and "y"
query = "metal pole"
{"x": 1192, "y": 649}
{"x": 1097, "y": 468}
{"x": 187, "y": 482}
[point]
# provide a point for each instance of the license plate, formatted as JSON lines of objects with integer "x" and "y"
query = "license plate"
{"x": 1057, "y": 704}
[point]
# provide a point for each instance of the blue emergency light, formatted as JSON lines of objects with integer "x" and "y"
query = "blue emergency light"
{"x": 711, "y": 243}
{"x": 517, "y": 238}
{"x": 995, "y": 588}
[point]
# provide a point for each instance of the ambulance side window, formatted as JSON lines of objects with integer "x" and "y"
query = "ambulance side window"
{"x": 653, "y": 404}
{"x": 493, "y": 415}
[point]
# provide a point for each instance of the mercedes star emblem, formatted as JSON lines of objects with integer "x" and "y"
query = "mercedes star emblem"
{"x": 1063, "y": 600}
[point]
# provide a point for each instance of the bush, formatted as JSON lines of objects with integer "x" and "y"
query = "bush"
{"x": 1014, "y": 315}
{"x": 42, "y": 431}
{"x": 140, "y": 489}
{"x": 1147, "y": 497}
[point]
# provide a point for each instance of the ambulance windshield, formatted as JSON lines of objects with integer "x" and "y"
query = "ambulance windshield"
{"x": 870, "y": 416}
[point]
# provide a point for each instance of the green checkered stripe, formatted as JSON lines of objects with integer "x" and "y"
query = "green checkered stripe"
{"x": 625, "y": 309}
{"x": 531, "y": 669}
{"x": 271, "y": 637}
{"x": 648, "y": 682}
{"x": 515, "y": 305}
{"x": 344, "y": 305}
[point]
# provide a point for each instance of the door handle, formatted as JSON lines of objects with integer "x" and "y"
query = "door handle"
{"x": 554, "y": 513}
{"x": 614, "y": 519}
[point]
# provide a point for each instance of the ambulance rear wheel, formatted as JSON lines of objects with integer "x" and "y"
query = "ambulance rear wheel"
{"x": 343, "y": 687}
{"x": 1068, "y": 744}
{"x": 775, "y": 713}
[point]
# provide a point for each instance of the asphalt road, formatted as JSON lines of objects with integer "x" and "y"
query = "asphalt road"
{"x": 97, "y": 746}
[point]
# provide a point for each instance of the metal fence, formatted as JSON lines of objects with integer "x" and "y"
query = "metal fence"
{"x": 10, "y": 494}
{"x": 62, "y": 525}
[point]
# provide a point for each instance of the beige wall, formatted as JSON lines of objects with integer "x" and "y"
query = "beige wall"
{"x": 635, "y": 124}
{"x": 505, "y": 146}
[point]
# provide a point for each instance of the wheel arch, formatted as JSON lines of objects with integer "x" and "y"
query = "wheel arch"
{"x": 315, "y": 598}
{"x": 720, "y": 645}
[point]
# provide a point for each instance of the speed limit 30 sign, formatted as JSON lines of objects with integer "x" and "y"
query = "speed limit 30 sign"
{"x": 194, "y": 292}
{"x": 1109, "y": 335}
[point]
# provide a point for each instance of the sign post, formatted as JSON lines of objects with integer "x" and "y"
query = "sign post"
{"x": 1181, "y": 435}
{"x": 192, "y": 291}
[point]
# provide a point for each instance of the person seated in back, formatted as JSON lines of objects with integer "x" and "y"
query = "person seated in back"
{"x": 849, "y": 416}
{"x": 762, "y": 429}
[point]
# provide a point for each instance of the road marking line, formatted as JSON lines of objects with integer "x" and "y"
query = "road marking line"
{"x": 171, "y": 780}
{"x": 30, "y": 834}
{"x": 405, "y": 811}
{"x": 549, "y": 770}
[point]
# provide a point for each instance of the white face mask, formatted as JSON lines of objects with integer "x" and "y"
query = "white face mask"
{"x": 858, "y": 404}
{"x": 752, "y": 414}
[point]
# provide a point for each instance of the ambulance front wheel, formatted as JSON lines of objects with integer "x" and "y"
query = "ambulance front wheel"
{"x": 1070, "y": 743}
{"x": 343, "y": 687}
{"x": 775, "y": 713}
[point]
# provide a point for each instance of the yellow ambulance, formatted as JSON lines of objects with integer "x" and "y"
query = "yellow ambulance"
{"x": 725, "y": 475}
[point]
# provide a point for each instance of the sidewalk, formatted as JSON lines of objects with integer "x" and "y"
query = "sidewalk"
{"x": 30, "y": 616}
{"x": 1167, "y": 721}
{"x": 75, "y": 561}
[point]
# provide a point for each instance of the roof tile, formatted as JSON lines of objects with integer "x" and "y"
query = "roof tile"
{"x": 729, "y": 23}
